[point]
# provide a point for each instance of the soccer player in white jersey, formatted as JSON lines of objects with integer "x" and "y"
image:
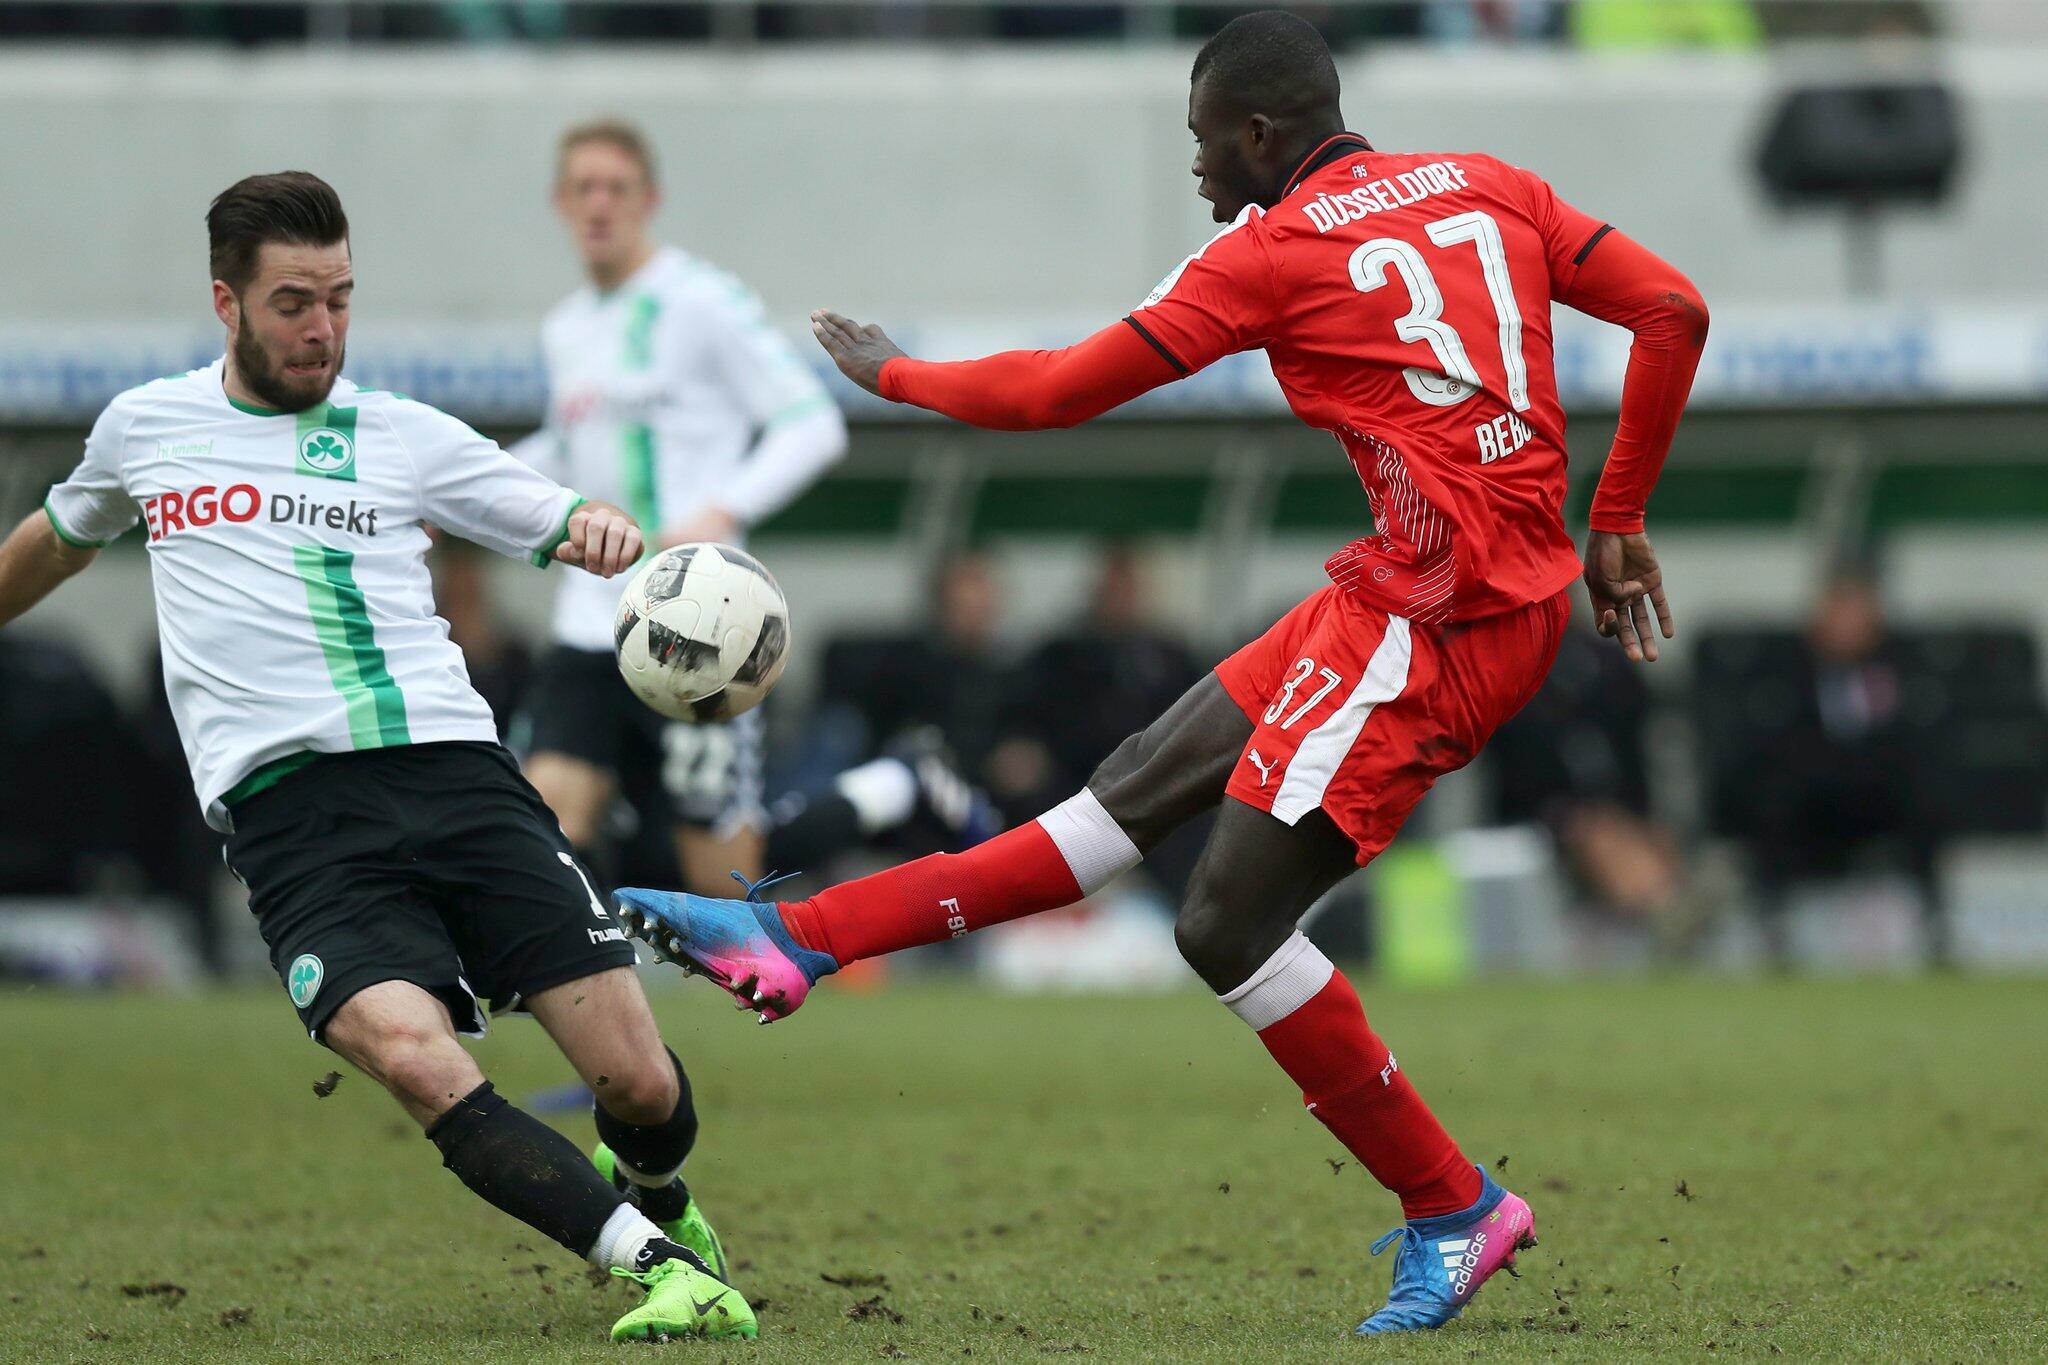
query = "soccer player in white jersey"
{"x": 670, "y": 394}
{"x": 400, "y": 869}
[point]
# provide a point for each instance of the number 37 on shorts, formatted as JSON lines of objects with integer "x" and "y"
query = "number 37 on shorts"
{"x": 1357, "y": 712}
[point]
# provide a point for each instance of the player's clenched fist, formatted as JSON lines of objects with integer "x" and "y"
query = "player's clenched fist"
{"x": 602, "y": 539}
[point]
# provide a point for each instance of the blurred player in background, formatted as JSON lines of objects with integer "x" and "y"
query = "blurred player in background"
{"x": 1404, "y": 301}
{"x": 670, "y": 394}
{"x": 400, "y": 869}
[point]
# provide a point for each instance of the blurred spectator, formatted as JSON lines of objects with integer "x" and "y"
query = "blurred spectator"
{"x": 178, "y": 854}
{"x": 1666, "y": 23}
{"x": 1494, "y": 21}
{"x": 948, "y": 671}
{"x": 1573, "y": 761}
{"x": 1846, "y": 789}
{"x": 65, "y": 747}
{"x": 1081, "y": 693}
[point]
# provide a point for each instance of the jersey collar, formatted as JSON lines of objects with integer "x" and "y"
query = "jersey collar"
{"x": 1329, "y": 149}
{"x": 649, "y": 268}
{"x": 220, "y": 384}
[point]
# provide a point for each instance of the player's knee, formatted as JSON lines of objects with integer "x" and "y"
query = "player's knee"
{"x": 426, "y": 1069}
{"x": 644, "y": 1094}
{"x": 1202, "y": 934}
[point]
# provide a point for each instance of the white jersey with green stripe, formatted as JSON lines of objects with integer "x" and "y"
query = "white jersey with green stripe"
{"x": 288, "y": 553}
{"x": 668, "y": 395}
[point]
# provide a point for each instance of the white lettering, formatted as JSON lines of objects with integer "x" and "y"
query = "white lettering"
{"x": 1502, "y": 437}
{"x": 1331, "y": 211}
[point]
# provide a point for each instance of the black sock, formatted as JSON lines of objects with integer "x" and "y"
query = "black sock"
{"x": 809, "y": 831}
{"x": 520, "y": 1165}
{"x": 654, "y": 1148}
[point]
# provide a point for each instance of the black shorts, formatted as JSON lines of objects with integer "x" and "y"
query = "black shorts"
{"x": 705, "y": 776}
{"x": 430, "y": 863}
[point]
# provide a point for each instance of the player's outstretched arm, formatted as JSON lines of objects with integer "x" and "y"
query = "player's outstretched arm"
{"x": 602, "y": 540}
{"x": 1622, "y": 282}
{"x": 33, "y": 561}
{"x": 1010, "y": 391}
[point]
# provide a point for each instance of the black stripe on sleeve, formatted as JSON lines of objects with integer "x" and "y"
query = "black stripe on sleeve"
{"x": 1591, "y": 242}
{"x": 1153, "y": 341}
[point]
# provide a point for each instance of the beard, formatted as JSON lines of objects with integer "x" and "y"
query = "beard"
{"x": 271, "y": 383}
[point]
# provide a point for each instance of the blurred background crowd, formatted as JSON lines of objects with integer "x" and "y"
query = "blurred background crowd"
{"x": 1842, "y": 763}
{"x": 1592, "y": 24}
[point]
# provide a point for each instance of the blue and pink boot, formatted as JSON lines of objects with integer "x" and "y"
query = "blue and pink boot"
{"x": 1443, "y": 1260}
{"x": 740, "y": 944}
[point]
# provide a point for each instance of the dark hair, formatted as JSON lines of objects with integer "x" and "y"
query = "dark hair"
{"x": 289, "y": 206}
{"x": 611, "y": 132}
{"x": 1270, "y": 62}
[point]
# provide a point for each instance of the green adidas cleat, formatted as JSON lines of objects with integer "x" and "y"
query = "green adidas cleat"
{"x": 692, "y": 1230}
{"x": 682, "y": 1301}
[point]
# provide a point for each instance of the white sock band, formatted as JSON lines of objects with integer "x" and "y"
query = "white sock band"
{"x": 644, "y": 1180}
{"x": 625, "y": 1233}
{"x": 1295, "y": 973}
{"x": 1095, "y": 846}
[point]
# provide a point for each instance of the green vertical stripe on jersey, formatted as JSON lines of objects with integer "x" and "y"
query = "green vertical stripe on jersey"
{"x": 638, "y": 352}
{"x": 636, "y": 439}
{"x": 326, "y": 439}
{"x": 636, "y": 454}
{"x": 341, "y": 620}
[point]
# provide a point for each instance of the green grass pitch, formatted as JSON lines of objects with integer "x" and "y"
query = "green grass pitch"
{"x": 1831, "y": 1169}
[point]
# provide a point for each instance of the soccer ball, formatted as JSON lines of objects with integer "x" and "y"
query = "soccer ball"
{"x": 701, "y": 633}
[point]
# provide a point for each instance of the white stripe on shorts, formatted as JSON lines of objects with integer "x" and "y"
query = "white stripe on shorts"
{"x": 1324, "y": 748}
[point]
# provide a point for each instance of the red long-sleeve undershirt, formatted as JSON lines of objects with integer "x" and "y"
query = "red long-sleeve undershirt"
{"x": 1619, "y": 282}
{"x": 1624, "y": 283}
{"x": 1034, "y": 390}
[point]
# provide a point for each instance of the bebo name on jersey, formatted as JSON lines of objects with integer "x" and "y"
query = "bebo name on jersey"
{"x": 207, "y": 505}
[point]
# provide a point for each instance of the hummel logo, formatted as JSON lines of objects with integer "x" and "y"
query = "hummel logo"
{"x": 1265, "y": 768}
{"x": 1387, "y": 1071}
{"x": 700, "y": 1309}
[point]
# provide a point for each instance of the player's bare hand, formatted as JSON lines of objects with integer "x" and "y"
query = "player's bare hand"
{"x": 602, "y": 540}
{"x": 859, "y": 352}
{"x": 1626, "y": 586}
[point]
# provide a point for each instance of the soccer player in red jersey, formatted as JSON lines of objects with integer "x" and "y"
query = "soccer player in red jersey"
{"x": 1404, "y": 301}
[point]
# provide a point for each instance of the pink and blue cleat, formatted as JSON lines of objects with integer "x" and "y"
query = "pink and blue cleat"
{"x": 740, "y": 944}
{"x": 1443, "y": 1260}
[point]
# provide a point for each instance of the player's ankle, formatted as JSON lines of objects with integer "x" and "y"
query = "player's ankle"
{"x": 806, "y": 928}
{"x": 1456, "y": 1193}
{"x": 663, "y": 1204}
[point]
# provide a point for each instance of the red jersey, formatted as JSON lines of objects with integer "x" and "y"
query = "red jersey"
{"x": 1404, "y": 302}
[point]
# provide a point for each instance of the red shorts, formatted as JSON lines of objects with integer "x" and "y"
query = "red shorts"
{"x": 1359, "y": 712}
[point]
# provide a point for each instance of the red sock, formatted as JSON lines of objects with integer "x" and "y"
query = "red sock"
{"x": 1310, "y": 1019}
{"x": 1067, "y": 853}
